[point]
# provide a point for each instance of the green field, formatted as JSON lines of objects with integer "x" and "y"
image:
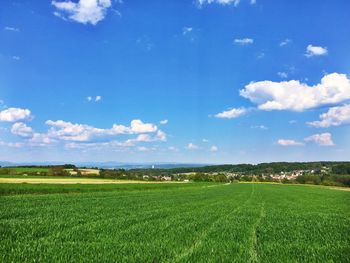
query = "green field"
{"x": 174, "y": 223}
{"x": 27, "y": 169}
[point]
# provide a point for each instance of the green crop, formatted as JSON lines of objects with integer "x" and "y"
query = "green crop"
{"x": 174, "y": 223}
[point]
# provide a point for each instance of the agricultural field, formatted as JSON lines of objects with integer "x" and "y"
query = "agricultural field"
{"x": 193, "y": 222}
{"x": 27, "y": 169}
{"x": 84, "y": 171}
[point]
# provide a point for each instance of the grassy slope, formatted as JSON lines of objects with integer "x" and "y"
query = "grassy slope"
{"x": 176, "y": 223}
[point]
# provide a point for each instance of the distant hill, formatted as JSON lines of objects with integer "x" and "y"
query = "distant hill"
{"x": 108, "y": 165}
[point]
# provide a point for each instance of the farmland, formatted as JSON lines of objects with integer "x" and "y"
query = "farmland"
{"x": 193, "y": 222}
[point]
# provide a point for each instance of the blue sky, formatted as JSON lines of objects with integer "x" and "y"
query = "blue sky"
{"x": 209, "y": 81}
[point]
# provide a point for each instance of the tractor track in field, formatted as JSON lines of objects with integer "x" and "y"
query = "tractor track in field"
{"x": 254, "y": 235}
{"x": 199, "y": 241}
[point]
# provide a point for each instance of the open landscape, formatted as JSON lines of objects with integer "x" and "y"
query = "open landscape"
{"x": 194, "y": 222}
{"x": 175, "y": 131}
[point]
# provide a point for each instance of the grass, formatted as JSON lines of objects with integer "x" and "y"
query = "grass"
{"x": 174, "y": 223}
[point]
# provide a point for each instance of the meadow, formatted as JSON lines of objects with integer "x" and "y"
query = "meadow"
{"x": 194, "y": 222}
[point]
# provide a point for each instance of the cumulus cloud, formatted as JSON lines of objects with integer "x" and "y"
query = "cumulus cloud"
{"x": 83, "y": 136}
{"x": 98, "y": 98}
{"x": 163, "y": 122}
{"x": 315, "y": 51}
{"x": 214, "y": 148}
{"x": 21, "y": 129}
{"x": 244, "y": 41}
{"x": 137, "y": 126}
{"x": 322, "y": 139}
{"x": 72, "y": 132}
{"x": 335, "y": 116}
{"x": 15, "y": 114}
{"x": 192, "y": 146}
{"x": 232, "y": 113}
{"x": 41, "y": 139}
{"x": 287, "y": 142}
{"x": 81, "y": 132}
{"x": 143, "y": 138}
{"x": 296, "y": 96}
{"x": 84, "y": 11}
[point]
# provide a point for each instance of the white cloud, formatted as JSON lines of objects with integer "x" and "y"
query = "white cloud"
{"x": 282, "y": 75}
{"x": 295, "y": 96}
{"x": 143, "y": 138}
{"x": 73, "y": 132}
{"x": 285, "y": 42}
{"x": 41, "y": 139}
{"x": 205, "y": 140}
{"x": 163, "y": 122}
{"x": 214, "y": 148}
{"x": 10, "y": 28}
{"x": 15, "y": 114}
{"x": 21, "y": 129}
{"x": 81, "y": 132}
{"x": 187, "y": 30}
{"x": 252, "y": 2}
{"x": 261, "y": 127}
{"x": 137, "y": 126}
{"x": 221, "y": 2}
{"x": 334, "y": 117}
{"x": 323, "y": 139}
{"x": 315, "y": 51}
{"x": 189, "y": 33}
{"x": 85, "y": 136}
{"x": 244, "y": 41}
{"x": 192, "y": 146}
{"x": 161, "y": 136}
{"x": 230, "y": 114}
{"x": 85, "y": 11}
{"x": 287, "y": 142}
{"x": 96, "y": 99}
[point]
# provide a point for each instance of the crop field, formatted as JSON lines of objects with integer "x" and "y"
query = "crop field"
{"x": 65, "y": 180}
{"x": 194, "y": 222}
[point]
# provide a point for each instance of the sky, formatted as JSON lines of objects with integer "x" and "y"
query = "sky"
{"x": 190, "y": 81}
